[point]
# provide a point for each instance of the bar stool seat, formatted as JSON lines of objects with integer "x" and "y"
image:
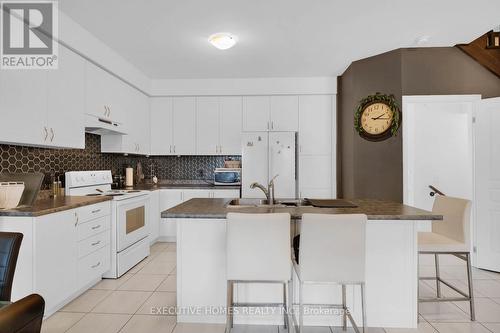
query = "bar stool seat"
{"x": 449, "y": 236}
{"x": 332, "y": 252}
{"x": 434, "y": 242}
{"x": 258, "y": 250}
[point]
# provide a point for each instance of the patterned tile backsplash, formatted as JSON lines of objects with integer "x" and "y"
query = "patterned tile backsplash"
{"x": 58, "y": 161}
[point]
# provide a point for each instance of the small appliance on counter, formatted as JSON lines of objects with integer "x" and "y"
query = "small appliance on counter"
{"x": 118, "y": 182}
{"x": 227, "y": 176}
{"x": 10, "y": 194}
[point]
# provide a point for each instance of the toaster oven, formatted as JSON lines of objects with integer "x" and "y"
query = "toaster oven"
{"x": 227, "y": 176}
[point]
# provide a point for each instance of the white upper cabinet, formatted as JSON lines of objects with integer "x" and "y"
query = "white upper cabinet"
{"x": 44, "y": 107}
{"x": 66, "y": 100}
{"x": 184, "y": 125}
{"x": 207, "y": 125}
{"x": 23, "y": 107}
{"x": 230, "y": 125}
{"x": 161, "y": 126}
{"x": 284, "y": 113}
{"x": 256, "y": 113}
{"x": 99, "y": 87}
{"x": 315, "y": 124}
{"x": 270, "y": 113}
{"x": 218, "y": 125}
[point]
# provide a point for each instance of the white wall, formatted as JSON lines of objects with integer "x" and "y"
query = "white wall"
{"x": 244, "y": 86}
{"x": 75, "y": 37}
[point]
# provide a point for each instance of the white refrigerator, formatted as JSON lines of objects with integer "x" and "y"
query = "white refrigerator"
{"x": 265, "y": 155}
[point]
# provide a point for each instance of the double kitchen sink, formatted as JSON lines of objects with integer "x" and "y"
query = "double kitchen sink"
{"x": 279, "y": 203}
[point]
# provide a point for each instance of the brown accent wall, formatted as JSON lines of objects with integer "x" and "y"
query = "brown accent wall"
{"x": 375, "y": 169}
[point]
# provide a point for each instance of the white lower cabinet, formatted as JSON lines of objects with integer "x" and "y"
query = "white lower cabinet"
{"x": 154, "y": 221}
{"x": 62, "y": 254}
{"x": 169, "y": 198}
{"x": 172, "y": 197}
{"x": 56, "y": 257}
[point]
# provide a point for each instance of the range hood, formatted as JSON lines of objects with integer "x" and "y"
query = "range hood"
{"x": 102, "y": 126}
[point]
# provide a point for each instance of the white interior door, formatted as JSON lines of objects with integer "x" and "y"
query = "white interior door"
{"x": 437, "y": 147}
{"x": 487, "y": 184}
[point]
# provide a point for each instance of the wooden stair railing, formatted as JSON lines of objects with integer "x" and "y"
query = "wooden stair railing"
{"x": 489, "y": 58}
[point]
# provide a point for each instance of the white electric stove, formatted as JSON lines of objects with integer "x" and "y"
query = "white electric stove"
{"x": 129, "y": 217}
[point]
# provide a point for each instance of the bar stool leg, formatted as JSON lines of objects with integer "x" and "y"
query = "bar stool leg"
{"x": 301, "y": 309}
{"x": 229, "y": 310}
{"x": 344, "y": 309}
{"x": 363, "y": 306}
{"x": 438, "y": 276}
{"x": 471, "y": 288}
{"x": 285, "y": 305}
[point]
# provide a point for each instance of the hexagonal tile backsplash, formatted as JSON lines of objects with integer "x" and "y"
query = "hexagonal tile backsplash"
{"x": 58, "y": 161}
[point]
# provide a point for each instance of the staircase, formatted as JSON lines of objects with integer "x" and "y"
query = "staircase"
{"x": 488, "y": 57}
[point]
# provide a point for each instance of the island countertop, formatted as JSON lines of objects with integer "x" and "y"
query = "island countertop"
{"x": 210, "y": 208}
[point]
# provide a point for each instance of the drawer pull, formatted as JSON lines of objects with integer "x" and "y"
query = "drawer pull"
{"x": 96, "y": 211}
{"x": 96, "y": 265}
{"x": 96, "y": 227}
{"x": 96, "y": 243}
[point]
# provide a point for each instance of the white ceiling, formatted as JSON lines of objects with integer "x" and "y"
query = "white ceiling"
{"x": 167, "y": 39}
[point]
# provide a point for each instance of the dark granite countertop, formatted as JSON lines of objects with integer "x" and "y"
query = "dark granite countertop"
{"x": 185, "y": 185}
{"x": 374, "y": 209}
{"x": 54, "y": 205}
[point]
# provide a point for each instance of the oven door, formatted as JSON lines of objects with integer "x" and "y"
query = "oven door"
{"x": 132, "y": 221}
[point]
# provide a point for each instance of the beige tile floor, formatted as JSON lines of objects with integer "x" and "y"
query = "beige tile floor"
{"x": 125, "y": 305}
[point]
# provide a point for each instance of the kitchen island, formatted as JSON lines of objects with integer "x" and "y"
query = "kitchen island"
{"x": 391, "y": 265}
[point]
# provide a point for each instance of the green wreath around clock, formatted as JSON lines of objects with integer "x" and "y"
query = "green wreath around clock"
{"x": 377, "y": 117}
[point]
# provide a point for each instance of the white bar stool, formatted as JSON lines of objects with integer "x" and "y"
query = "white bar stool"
{"x": 332, "y": 251}
{"x": 258, "y": 250}
{"x": 449, "y": 236}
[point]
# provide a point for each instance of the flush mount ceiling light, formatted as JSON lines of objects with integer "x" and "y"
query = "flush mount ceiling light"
{"x": 223, "y": 40}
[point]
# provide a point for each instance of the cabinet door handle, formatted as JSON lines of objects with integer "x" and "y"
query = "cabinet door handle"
{"x": 96, "y": 265}
{"x": 96, "y": 243}
{"x": 272, "y": 124}
{"x": 46, "y": 133}
{"x": 96, "y": 211}
{"x": 174, "y": 149}
{"x": 170, "y": 148}
{"x": 76, "y": 218}
{"x": 109, "y": 111}
{"x": 96, "y": 227}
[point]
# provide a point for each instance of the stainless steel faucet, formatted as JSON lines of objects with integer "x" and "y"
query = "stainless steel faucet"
{"x": 269, "y": 192}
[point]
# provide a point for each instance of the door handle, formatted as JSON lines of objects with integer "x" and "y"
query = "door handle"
{"x": 52, "y": 134}
{"x": 170, "y": 148}
{"x": 76, "y": 219}
{"x": 96, "y": 227}
{"x": 96, "y": 211}
{"x": 96, "y": 243}
{"x": 46, "y": 133}
{"x": 96, "y": 265}
{"x": 272, "y": 124}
